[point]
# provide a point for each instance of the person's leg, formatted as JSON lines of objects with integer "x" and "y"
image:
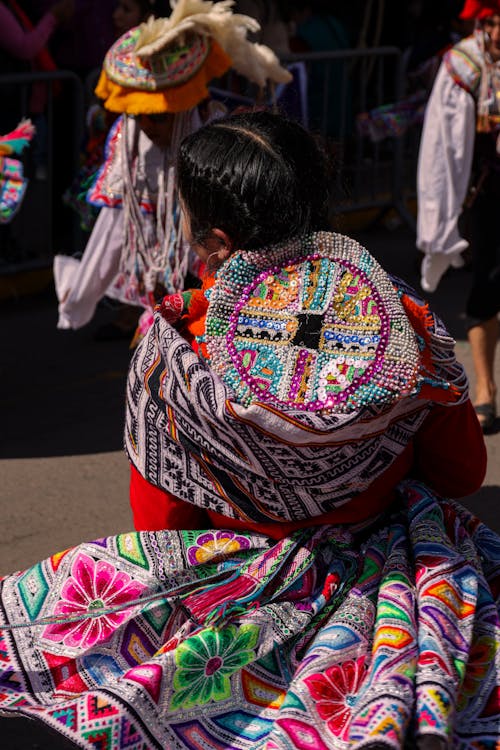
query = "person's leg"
{"x": 483, "y": 302}
{"x": 483, "y": 339}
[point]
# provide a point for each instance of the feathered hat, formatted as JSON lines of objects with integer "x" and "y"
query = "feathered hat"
{"x": 166, "y": 64}
{"x": 478, "y": 9}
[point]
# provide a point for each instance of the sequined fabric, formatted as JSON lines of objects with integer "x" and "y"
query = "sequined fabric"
{"x": 237, "y": 435}
{"x": 314, "y": 325}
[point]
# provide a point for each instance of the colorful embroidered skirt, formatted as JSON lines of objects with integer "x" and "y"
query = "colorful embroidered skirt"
{"x": 331, "y": 638}
{"x": 12, "y": 188}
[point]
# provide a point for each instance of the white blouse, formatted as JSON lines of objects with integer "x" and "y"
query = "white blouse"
{"x": 444, "y": 168}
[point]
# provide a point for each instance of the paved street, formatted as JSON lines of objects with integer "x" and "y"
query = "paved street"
{"x": 63, "y": 474}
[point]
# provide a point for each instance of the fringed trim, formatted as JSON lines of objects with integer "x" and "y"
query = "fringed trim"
{"x": 442, "y": 378}
{"x": 132, "y": 101}
{"x": 154, "y": 251}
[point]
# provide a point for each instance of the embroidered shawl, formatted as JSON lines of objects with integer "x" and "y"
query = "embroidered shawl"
{"x": 203, "y": 430}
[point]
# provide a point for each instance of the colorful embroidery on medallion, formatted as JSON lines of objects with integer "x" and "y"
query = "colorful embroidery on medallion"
{"x": 323, "y": 330}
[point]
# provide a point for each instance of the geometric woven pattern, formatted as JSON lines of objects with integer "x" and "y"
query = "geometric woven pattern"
{"x": 130, "y": 548}
{"x": 33, "y": 588}
{"x": 257, "y": 419}
{"x": 325, "y": 639}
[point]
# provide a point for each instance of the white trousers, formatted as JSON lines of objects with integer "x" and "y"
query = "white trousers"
{"x": 80, "y": 284}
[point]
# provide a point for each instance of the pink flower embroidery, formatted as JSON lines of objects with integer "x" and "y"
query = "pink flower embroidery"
{"x": 335, "y": 692}
{"x": 92, "y": 585}
{"x": 302, "y": 735}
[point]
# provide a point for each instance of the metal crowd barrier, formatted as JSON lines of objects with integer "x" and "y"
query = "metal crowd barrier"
{"x": 340, "y": 88}
{"x": 330, "y": 92}
{"x": 32, "y": 232}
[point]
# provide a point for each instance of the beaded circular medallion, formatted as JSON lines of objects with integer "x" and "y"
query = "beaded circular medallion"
{"x": 316, "y": 325}
{"x": 169, "y": 67}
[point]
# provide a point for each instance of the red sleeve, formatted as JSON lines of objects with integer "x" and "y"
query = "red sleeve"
{"x": 450, "y": 454}
{"x": 154, "y": 509}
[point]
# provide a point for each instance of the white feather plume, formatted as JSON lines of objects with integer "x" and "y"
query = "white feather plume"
{"x": 256, "y": 62}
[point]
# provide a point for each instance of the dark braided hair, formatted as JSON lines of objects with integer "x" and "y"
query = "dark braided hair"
{"x": 258, "y": 176}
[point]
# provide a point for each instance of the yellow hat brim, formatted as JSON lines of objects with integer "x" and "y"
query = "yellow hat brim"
{"x": 130, "y": 101}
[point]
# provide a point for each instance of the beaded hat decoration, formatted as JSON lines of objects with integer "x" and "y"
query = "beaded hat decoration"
{"x": 312, "y": 325}
{"x": 165, "y": 64}
{"x": 174, "y": 66}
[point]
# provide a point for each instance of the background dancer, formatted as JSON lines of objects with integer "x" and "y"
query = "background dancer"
{"x": 156, "y": 75}
{"x": 459, "y": 152}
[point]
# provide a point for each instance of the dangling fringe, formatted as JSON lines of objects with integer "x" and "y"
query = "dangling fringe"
{"x": 147, "y": 261}
{"x": 484, "y": 94}
{"x": 134, "y": 250}
{"x": 442, "y": 378}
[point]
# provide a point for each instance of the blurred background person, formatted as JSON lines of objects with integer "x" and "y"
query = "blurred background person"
{"x": 271, "y": 16}
{"x": 130, "y": 13}
{"x": 315, "y": 28}
{"x": 460, "y": 151}
{"x": 155, "y": 76}
{"x": 23, "y": 48}
{"x": 126, "y": 15}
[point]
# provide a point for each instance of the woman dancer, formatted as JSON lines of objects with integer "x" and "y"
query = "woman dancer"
{"x": 336, "y": 598}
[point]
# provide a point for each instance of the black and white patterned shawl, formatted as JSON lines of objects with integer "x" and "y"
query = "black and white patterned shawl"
{"x": 187, "y": 433}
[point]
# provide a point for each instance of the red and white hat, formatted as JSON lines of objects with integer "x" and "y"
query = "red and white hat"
{"x": 480, "y": 9}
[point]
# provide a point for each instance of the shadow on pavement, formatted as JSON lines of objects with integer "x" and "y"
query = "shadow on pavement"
{"x": 27, "y": 734}
{"x": 62, "y": 393}
{"x": 485, "y": 504}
